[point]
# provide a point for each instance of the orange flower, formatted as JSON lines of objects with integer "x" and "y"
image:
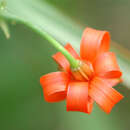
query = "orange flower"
{"x": 92, "y": 81}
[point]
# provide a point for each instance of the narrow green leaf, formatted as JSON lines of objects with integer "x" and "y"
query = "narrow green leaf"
{"x": 4, "y": 27}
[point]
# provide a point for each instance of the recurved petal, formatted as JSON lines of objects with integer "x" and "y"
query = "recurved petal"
{"x": 106, "y": 66}
{"x": 77, "y": 96}
{"x": 113, "y": 81}
{"x": 93, "y": 43}
{"x": 90, "y": 104}
{"x": 62, "y": 61}
{"x": 54, "y": 86}
{"x": 71, "y": 50}
{"x": 104, "y": 95}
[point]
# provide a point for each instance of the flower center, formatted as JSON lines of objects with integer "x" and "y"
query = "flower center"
{"x": 84, "y": 72}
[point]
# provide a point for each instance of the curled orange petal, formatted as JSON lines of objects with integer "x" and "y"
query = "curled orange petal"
{"x": 54, "y": 86}
{"x": 62, "y": 61}
{"x": 90, "y": 104}
{"x": 93, "y": 42}
{"x": 77, "y": 96}
{"x": 71, "y": 50}
{"x": 113, "y": 81}
{"x": 104, "y": 95}
{"x": 106, "y": 66}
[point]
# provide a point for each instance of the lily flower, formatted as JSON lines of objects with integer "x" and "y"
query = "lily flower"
{"x": 91, "y": 82}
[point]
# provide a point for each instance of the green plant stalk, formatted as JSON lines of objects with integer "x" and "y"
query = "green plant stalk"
{"x": 73, "y": 62}
{"x": 4, "y": 27}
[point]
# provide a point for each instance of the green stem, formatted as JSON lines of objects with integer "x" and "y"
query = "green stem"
{"x": 4, "y": 27}
{"x": 73, "y": 62}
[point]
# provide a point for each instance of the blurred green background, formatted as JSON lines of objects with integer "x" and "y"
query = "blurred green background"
{"x": 26, "y": 56}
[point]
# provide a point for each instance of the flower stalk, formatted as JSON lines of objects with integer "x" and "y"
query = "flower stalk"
{"x": 73, "y": 62}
